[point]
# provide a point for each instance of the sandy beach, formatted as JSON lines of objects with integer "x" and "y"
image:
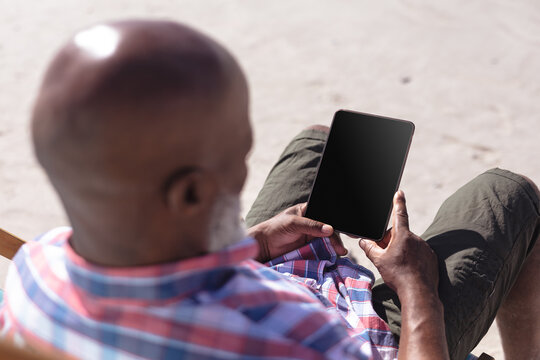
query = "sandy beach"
{"x": 466, "y": 73}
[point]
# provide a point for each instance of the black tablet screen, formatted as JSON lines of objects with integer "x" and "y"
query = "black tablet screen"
{"x": 359, "y": 173}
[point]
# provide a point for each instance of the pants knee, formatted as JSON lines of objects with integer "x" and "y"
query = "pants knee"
{"x": 318, "y": 127}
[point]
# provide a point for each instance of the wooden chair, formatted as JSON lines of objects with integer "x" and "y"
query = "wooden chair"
{"x": 9, "y": 351}
{"x": 9, "y": 244}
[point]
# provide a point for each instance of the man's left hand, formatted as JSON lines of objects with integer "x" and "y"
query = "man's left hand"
{"x": 290, "y": 230}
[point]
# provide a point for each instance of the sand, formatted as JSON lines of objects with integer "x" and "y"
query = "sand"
{"x": 467, "y": 73}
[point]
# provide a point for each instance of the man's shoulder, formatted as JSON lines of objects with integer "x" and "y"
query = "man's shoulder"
{"x": 56, "y": 237}
{"x": 47, "y": 248}
{"x": 43, "y": 251}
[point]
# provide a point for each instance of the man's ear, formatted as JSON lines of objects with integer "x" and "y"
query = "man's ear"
{"x": 192, "y": 193}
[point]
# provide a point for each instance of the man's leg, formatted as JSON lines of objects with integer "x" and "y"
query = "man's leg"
{"x": 518, "y": 318}
{"x": 482, "y": 225}
{"x": 291, "y": 179}
{"x": 482, "y": 235}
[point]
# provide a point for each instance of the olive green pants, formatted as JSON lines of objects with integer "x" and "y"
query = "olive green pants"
{"x": 481, "y": 234}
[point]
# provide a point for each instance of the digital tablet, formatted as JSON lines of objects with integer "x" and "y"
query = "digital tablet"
{"x": 359, "y": 173}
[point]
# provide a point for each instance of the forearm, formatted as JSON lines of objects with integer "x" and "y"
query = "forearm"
{"x": 422, "y": 326}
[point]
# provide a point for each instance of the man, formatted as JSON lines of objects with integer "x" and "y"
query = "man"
{"x": 143, "y": 130}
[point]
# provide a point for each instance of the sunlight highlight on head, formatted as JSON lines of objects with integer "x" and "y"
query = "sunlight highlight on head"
{"x": 99, "y": 41}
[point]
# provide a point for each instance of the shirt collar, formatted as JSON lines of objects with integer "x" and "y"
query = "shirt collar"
{"x": 163, "y": 282}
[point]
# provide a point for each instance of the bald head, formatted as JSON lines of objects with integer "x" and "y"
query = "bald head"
{"x": 141, "y": 126}
{"x": 161, "y": 75}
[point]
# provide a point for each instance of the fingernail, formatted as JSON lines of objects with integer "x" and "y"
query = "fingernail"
{"x": 327, "y": 229}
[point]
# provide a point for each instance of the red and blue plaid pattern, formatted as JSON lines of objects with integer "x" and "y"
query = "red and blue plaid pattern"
{"x": 308, "y": 304}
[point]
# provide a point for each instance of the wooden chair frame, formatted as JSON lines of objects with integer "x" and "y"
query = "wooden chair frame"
{"x": 9, "y": 244}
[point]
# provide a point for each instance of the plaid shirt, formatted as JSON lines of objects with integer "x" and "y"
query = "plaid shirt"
{"x": 308, "y": 304}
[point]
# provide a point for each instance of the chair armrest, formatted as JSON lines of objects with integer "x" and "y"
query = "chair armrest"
{"x": 9, "y": 244}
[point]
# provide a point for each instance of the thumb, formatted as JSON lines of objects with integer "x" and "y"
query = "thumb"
{"x": 337, "y": 243}
{"x": 371, "y": 249}
{"x": 310, "y": 227}
{"x": 401, "y": 218}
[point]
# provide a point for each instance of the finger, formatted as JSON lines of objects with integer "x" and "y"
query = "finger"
{"x": 337, "y": 244}
{"x": 371, "y": 249}
{"x": 296, "y": 209}
{"x": 401, "y": 218}
{"x": 310, "y": 227}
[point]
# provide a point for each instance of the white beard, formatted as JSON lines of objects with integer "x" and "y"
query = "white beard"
{"x": 226, "y": 226}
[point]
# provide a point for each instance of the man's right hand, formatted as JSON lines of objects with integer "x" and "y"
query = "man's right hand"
{"x": 290, "y": 230}
{"x": 409, "y": 266}
{"x": 402, "y": 258}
